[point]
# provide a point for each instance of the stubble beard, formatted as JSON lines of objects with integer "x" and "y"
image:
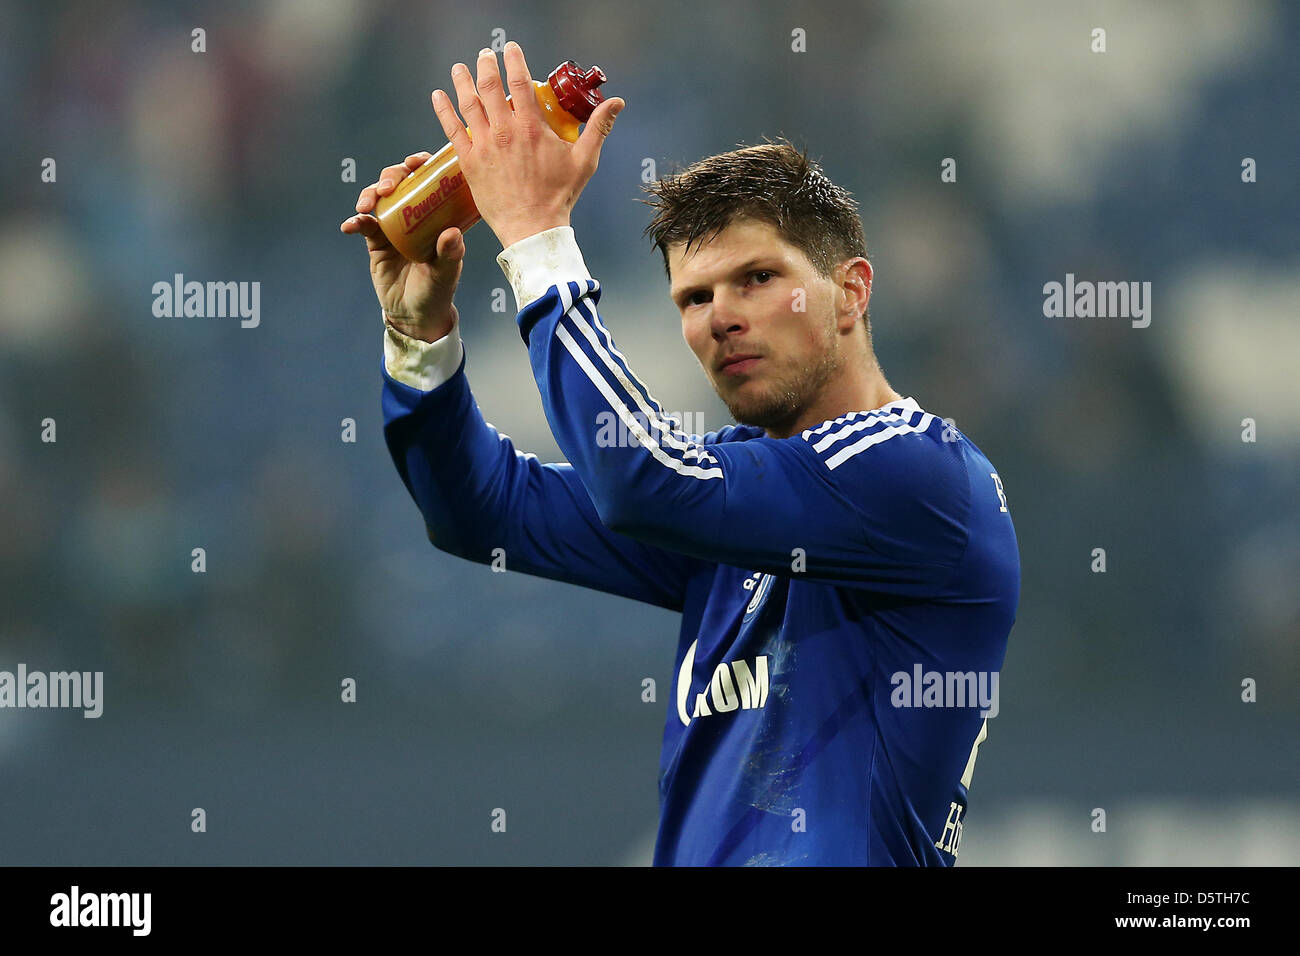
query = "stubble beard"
{"x": 785, "y": 399}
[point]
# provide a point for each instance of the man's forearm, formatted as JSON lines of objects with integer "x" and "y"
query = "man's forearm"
{"x": 484, "y": 501}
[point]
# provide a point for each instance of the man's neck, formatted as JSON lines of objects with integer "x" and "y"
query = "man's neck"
{"x": 863, "y": 396}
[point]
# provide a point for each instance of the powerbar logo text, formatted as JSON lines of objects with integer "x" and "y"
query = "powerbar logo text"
{"x": 81, "y": 689}
{"x": 102, "y": 909}
{"x": 946, "y": 689}
{"x": 213, "y": 300}
{"x": 412, "y": 215}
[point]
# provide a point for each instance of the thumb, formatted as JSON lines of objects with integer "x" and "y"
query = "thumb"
{"x": 451, "y": 245}
{"x": 598, "y": 127}
{"x": 448, "y": 258}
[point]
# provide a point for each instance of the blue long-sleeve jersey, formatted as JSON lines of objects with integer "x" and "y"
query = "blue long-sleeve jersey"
{"x": 846, "y": 593}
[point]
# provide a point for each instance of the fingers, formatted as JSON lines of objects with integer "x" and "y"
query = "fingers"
{"x": 520, "y": 82}
{"x": 484, "y": 106}
{"x": 471, "y": 107}
{"x": 491, "y": 90}
{"x": 450, "y": 246}
{"x": 388, "y": 180}
{"x": 452, "y": 127}
{"x": 367, "y": 226}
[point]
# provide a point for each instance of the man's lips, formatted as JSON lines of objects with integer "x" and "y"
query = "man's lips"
{"x": 739, "y": 363}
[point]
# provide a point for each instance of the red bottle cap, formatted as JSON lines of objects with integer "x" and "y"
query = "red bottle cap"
{"x": 576, "y": 90}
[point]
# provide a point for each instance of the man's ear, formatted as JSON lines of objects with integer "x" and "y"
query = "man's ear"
{"x": 853, "y": 291}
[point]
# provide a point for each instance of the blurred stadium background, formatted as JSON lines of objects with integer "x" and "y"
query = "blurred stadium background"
{"x": 478, "y": 690}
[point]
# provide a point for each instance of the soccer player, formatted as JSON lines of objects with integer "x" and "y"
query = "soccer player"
{"x": 837, "y": 556}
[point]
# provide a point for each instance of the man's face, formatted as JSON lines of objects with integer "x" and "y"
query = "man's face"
{"x": 761, "y": 321}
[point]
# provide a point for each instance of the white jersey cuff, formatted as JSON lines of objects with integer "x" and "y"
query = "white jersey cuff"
{"x": 420, "y": 364}
{"x": 534, "y": 264}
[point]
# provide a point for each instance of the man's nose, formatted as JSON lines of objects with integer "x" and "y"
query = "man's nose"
{"x": 727, "y": 313}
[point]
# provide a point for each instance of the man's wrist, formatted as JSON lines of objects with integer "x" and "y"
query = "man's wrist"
{"x": 512, "y": 235}
{"x": 422, "y": 330}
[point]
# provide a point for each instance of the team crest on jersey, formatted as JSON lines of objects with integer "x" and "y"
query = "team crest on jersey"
{"x": 760, "y": 584}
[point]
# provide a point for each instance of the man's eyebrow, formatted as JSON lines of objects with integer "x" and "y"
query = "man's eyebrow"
{"x": 770, "y": 260}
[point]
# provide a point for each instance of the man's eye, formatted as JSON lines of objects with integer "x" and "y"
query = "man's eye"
{"x": 690, "y": 299}
{"x": 761, "y": 272}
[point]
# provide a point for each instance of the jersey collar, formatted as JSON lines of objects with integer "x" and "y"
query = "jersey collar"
{"x": 902, "y": 405}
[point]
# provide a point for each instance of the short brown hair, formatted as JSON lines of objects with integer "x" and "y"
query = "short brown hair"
{"x": 773, "y": 182}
